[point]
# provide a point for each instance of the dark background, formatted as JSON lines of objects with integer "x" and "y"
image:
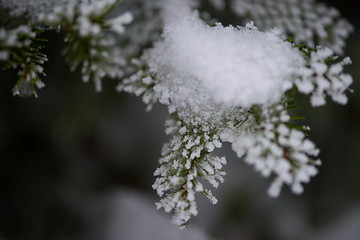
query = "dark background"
{"x": 75, "y": 164}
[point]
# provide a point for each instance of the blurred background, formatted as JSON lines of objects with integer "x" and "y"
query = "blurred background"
{"x": 75, "y": 164}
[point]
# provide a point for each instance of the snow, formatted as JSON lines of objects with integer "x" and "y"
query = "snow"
{"x": 182, "y": 165}
{"x": 287, "y": 155}
{"x": 117, "y": 24}
{"x": 307, "y": 20}
{"x": 205, "y": 67}
{"x": 320, "y": 79}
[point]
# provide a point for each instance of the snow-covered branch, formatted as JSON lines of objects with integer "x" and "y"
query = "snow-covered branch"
{"x": 220, "y": 83}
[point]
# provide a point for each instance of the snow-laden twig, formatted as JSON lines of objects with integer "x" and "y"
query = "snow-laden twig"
{"x": 187, "y": 159}
{"x": 89, "y": 45}
{"x": 307, "y": 21}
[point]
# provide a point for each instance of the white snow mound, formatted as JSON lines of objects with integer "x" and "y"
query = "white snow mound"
{"x": 238, "y": 66}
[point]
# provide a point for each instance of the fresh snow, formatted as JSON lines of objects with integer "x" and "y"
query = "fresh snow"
{"x": 235, "y": 66}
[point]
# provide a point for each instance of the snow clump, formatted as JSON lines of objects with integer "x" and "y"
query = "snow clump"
{"x": 200, "y": 65}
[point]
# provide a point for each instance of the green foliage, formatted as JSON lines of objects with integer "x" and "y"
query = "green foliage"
{"x": 90, "y": 44}
{"x": 26, "y": 57}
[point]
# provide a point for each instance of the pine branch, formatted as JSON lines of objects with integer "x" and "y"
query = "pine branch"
{"x": 186, "y": 160}
{"x": 277, "y": 148}
{"x": 324, "y": 75}
{"x": 308, "y": 22}
{"x": 141, "y": 83}
{"x": 21, "y": 48}
{"x": 91, "y": 43}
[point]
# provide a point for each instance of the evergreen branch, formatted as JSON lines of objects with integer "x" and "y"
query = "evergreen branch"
{"x": 185, "y": 160}
{"x": 21, "y": 48}
{"x": 308, "y": 22}
{"x": 323, "y": 75}
{"x": 141, "y": 83}
{"x": 279, "y": 148}
{"x": 89, "y": 44}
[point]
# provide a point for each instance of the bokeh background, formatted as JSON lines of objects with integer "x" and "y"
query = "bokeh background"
{"x": 75, "y": 164}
